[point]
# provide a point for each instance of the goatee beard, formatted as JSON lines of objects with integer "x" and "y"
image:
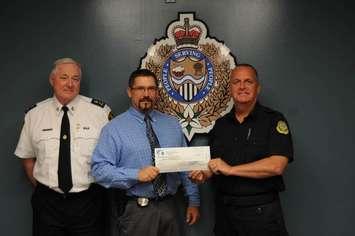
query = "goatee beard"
{"x": 145, "y": 105}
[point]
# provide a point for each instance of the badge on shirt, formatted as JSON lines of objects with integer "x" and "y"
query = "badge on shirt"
{"x": 282, "y": 127}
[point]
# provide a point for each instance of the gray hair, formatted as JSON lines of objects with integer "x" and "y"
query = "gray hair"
{"x": 65, "y": 60}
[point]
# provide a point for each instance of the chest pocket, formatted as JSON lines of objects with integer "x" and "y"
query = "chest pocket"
{"x": 47, "y": 143}
{"x": 256, "y": 149}
{"x": 85, "y": 140}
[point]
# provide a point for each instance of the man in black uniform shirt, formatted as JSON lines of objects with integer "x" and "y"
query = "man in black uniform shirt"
{"x": 251, "y": 147}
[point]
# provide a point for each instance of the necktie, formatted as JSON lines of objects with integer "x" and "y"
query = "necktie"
{"x": 65, "y": 182}
{"x": 159, "y": 183}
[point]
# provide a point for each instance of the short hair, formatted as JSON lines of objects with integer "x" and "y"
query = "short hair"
{"x": 250, "y": 66}
{"x": 141, "y": 72}
{"x": 65, "y": 60}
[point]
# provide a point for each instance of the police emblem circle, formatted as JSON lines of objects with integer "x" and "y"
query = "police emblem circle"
{"x": 187, "y": 75}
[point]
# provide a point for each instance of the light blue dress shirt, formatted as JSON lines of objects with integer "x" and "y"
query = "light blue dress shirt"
{"x": 123, "y": 149}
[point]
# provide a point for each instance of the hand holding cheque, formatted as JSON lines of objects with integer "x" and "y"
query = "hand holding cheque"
{"x": 193, "y": 159}
{"x": 179, "y": 159}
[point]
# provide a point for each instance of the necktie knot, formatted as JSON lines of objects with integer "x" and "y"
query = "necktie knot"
{"x": 65, "y": 109}
{"x": 147, "y": 118}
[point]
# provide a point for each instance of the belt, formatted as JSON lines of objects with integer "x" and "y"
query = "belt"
{"x": 248, "y": 200}
{"x": 144, "y": 201}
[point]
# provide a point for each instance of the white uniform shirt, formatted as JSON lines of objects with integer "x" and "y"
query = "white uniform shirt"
{"x": 40, "y": 139}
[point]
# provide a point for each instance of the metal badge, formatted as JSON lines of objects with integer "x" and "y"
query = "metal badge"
{"x": 282, "y": 127}
{"x": 142, "y": 201}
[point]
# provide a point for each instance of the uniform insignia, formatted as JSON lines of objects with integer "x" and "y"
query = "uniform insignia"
{"x": 30, "y": 108}
{"x": 282, "y": 127}
{"x": 193, "y": 72}
{"x": 98, "y": 102}
{"x": 110, "y": 116}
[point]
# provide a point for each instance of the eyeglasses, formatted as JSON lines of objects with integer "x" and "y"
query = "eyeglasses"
{"x": 141, "y": 89}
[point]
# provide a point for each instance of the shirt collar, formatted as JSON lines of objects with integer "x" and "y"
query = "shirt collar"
{"x": 253, "y": 114}
{"x": 140, "y": 116}
{"x": 72, "y": 105}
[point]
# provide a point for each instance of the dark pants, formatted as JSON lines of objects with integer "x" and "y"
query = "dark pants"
{"x": 250, "y": 220}
{"x": 159, "y": 218}
{"x": 74, "y": 214}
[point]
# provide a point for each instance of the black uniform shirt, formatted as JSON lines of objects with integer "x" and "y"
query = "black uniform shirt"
{"x": 263, "y": 133}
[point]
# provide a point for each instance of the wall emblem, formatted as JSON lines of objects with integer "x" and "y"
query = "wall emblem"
{"x": 193, "y": 71}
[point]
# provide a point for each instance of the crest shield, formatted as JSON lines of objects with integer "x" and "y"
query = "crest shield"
{"x": 193, "y": 72}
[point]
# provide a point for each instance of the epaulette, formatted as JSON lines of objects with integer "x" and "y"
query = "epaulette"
{"x": 110, "y": 115}
{"x": 98, "y": 102}
{"x": 30, "y": 108}
{"x": 267, "y": 109}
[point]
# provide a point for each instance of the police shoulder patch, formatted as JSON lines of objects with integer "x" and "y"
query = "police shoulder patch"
{"x": 110, "y": 115}
{"x": 98, "y": 102}
{"x": 30, "y": 108}
{"x": 281, "y": 127}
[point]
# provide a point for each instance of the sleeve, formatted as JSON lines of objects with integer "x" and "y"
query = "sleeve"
{"x": 280, "y": 138}
{"x": 105, "y": 163}
{"x": 24, "y": 147}
{"x": 191, "y": 190}
{"x": 214, "y": 143}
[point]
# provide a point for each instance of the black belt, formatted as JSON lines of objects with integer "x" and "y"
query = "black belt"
{"x": 247, "y": 200}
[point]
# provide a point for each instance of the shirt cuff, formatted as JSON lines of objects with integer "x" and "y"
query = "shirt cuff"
{"x": 194, "y": 201}
{"x": 132, "y": 177}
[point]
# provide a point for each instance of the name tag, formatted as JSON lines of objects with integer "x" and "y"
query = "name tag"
{"x": 48, "y": 129}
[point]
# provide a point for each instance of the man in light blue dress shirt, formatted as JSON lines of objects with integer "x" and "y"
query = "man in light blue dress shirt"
{"x": 122, "y": 159}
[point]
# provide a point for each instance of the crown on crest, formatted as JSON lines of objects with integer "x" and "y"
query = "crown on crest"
{"x": 187, "y": 34}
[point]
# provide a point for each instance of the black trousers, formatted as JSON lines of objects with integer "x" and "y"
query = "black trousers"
{"x": 74, "y": 214}
{"x": 159, "y": 218}
{"x": 250, "y": 220}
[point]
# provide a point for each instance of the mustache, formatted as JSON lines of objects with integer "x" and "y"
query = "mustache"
{"x": 146, "y": 99}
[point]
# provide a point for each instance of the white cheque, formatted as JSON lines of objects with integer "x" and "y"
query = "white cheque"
{"x": 179, "y": 159}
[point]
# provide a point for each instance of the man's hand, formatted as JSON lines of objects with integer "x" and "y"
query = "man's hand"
{"x": 199, "y": 176}
{"x": 192, "y": 215}
{"x": 147, "y": 174}
{"x": 218, "y": 166}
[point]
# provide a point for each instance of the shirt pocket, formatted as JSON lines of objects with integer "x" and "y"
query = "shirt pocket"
{"x": 47, "y": 144}
{"x": 84, "y": 143}
{"x": 47, "y": 151}
{"x": 256, "y": 149}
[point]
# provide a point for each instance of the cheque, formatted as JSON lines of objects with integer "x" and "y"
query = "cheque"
{"x": 179, "y": 159}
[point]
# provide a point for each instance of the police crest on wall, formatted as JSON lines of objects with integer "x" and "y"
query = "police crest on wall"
{"x": 193, "y": 72}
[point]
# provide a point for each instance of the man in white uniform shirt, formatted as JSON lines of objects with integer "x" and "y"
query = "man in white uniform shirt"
{"x": 55, "y": 146}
